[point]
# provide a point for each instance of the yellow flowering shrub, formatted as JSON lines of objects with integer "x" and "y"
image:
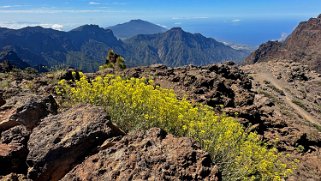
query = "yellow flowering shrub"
{"x": 139, "y": 104}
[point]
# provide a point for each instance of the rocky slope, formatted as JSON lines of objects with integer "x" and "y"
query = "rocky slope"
{"x": 279, "y": 100}
{"x": 38, "y": 141}
{"x": 303, "y": 45}
{"x": 295, "y": 93}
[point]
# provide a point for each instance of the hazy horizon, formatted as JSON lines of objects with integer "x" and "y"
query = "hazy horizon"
{"x": 249, "y": 22}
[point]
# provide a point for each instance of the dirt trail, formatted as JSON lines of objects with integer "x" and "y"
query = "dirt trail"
{"x": 287, "y": 97}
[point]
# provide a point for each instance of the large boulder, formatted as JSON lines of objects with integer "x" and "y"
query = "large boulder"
{"x": 147, "y": 155}
{"x": 28, "y": 114}
{"x": 61, "y": 141}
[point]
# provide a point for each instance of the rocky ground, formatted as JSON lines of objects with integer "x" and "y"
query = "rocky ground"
{"x": 277, "y": 99}
{"x": 40, "y": 140}
{"x": 295, "y": 92}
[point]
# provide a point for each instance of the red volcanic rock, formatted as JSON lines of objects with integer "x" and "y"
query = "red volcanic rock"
{"x": 150, "y": 155}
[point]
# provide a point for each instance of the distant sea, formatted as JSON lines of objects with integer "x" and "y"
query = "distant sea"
{"x": 248, "y": 32}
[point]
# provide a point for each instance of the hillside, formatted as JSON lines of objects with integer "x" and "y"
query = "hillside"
{"x": 12, "y": 59}
{"x": 135, "y": 27}
{"x": 303, "y": 45}
{"x": 177, "y": 47}
{"x": 265, "y": 97}
{"x": 293, "y": 92}
{"x": 84, "y": 47}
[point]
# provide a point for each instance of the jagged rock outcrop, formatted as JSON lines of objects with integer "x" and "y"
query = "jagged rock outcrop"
{"x": 61, "y": 141}
{"x": 265, "y": 52}
{"x": 303, "y": 45}
{"x": 147, "y": 155}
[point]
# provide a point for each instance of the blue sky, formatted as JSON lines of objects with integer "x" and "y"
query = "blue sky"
{"x": 67, "y": 14}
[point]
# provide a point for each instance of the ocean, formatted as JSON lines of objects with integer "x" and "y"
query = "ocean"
{"x": 239, "y": 31}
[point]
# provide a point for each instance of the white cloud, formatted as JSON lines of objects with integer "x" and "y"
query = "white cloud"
{"x": 57, "y": 11}
{"x": 18, "y": 25}
{"x": 94, "y": 3}
{"x": 283, "y": 36}
{"x": 178, "y": 23}
{"x": 6, "y": 6}
{"x": 164, "y": 26}
{"x": 57, "y": 27}
{"x": 12, "y": 6}
{"x": 236, "y": 20}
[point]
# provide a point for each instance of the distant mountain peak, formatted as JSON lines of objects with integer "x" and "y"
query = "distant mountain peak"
{"x": 136, "y": 27}
{"x": 176, "y": 29}
{"x": 37, "y": 29}
{"x": 138, "y": 20}
{"x": 88, "y": 27}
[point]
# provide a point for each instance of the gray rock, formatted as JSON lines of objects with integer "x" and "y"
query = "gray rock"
{"x": 31, "y": 113}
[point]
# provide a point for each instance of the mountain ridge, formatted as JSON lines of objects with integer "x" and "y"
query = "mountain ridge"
{"x": 85, "y": 47}
{"x": 184, "y": 48}
{"x": 302, "y": 45}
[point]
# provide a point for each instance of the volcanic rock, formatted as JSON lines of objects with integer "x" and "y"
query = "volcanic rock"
{"x": 29, "y": 114}
{"x": 62, "y": 140}
{"x": 17, "y": 134}
{"x": 12, "y": 158}
{"x": 147, "y": 155}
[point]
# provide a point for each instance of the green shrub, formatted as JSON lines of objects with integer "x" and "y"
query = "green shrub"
{"x": 139, "y": 104}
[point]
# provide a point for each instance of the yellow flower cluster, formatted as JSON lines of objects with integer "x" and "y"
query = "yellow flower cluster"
{"x": 140, "y": 104}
